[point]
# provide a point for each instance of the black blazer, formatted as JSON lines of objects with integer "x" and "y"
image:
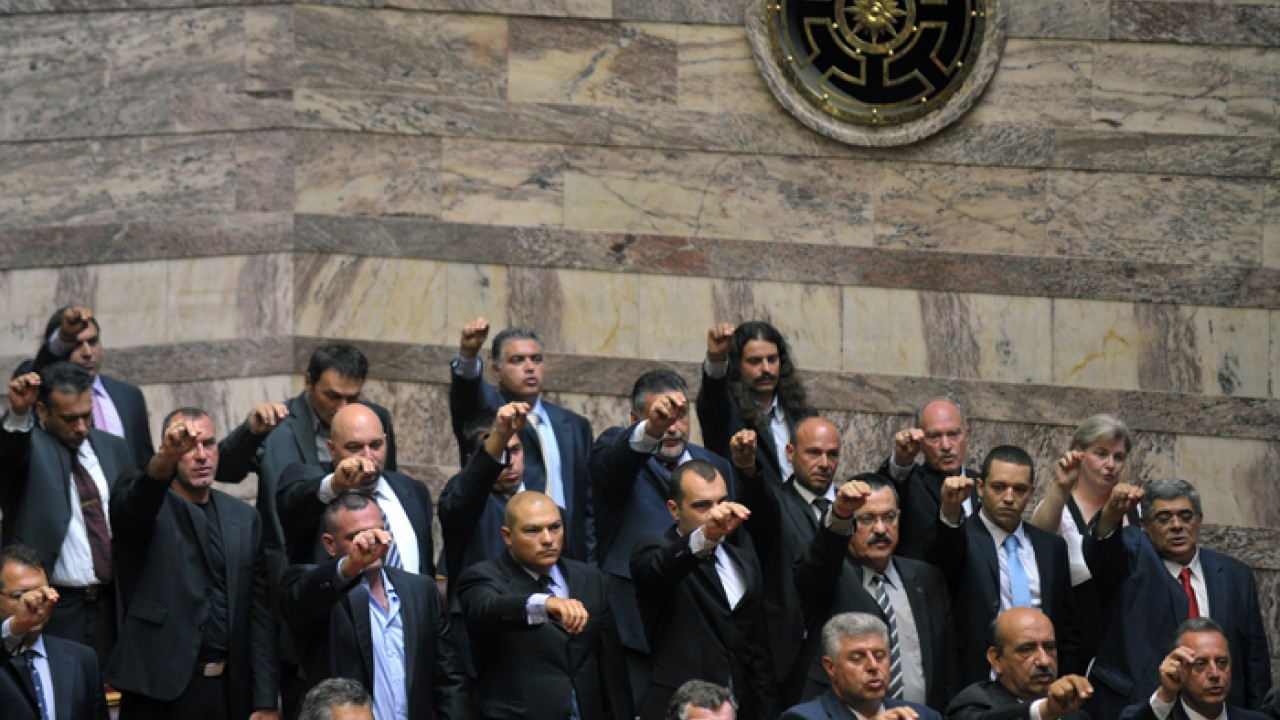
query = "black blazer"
{"x": 331, "y": 628}
{"x": 829, "y": 582}
{"x": 302, "y": 514}
{"x": 967, "y": 555}
{"x": 35, "y": 475}
{"x": 573, "y": 438}
{"x": 533, "y": 671}
{"x": 1142, "y": 608}
{"x": 691, "y": 630}
{"x": 77, "y": 686}
{"x": 989, "y": 700}
{"x": 920, "y": 499}
{"x": 162, "y": 572}
{"x": 1143, "y": 711}
{"x": 720, "y": 419}
{"x": 471, "y": 518}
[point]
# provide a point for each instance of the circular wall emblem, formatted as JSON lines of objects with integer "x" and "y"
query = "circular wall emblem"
{"x": 877, "y": 72}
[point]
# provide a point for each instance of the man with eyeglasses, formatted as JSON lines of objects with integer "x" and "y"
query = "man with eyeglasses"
{"x": 850, "y": 567}
{"x": 1154, "y": 577}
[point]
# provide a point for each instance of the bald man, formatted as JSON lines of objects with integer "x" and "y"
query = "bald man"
{"x": 542, "y": 634}
{"x": 358, "y": 446}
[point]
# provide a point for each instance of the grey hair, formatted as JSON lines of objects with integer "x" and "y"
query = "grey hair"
{"x": 334, "y": 692}
{"x": 1100, "y": 428}
{"x": 519, "y": 332}
{"x": 850, "y": 624}
{"x": 1168, "y": 489}
{"x": 699, "y": 693}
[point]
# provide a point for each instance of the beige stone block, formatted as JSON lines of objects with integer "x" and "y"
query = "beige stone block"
{"x": 1252, "y": 108}
{"x": 640, "y": 191}
{"x": 1095, "y": 344}
{"x": 884, "y": 332}
{"x": 1271, "y": 227}
{"x": 474, "y": 291}
{"x": 1275, "y": 353}
{"x": 1235, "y": 477}
{"x": 673, "y": 316}
{"x": 1234, "y": 348}
{"x": 592, "y": 63}
{"x": 420, "y": 415}
{"x": 229, "y": 297}
{"x": 268, "y": 54}
{"x": 717, "y": 73}
{"x": 599, "y": 313}
{"x": 131, "y": 303}
{"x": 808, "y": 316}
{"x": 1039, "y": 83}
{"x": 1147, "y": 87}
{"x": 960, "y": 209}
{"x": 369, "y": 298}
{"x": 814, "y": 200}
{"x": 1014, "y": 336}
{"x": 28, "y": 298}
{"x": 602, "y": 411}
{"x": 168, "y": 176}
{"x": 502, "y": 183}
{"x": 363, "y": 174}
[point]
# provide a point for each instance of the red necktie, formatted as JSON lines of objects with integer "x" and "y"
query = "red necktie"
{"x": 95, "y": 520}
{"x": 1193, "y": 607}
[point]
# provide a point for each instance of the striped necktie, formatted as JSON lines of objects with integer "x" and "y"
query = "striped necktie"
{"x": 890, "y": 619}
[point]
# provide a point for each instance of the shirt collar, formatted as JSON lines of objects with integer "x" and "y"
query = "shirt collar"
{"x": 1193, "y": 715}
{"x": 1175, "y": 568}
{"x": 890, "y": 573}
{"x": 808, "y": 496}
{"x": 98, "y": 388}
{"x": 998, "y": 533}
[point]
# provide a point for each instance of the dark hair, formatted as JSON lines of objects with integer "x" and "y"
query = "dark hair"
{"x": 320, "y": 700}
{"x": 791, "y": 393}
{"x": 699, "y": 693}
{"x": 21, "y": 555}
{"x": 1012, "y": 455}
{"x": 701, "y": 468}
{"x": 352, "y": 500}
{"x": 1195, "y": 625}
{"x": 878, "y": 482}
{"x": 345, "y": 359}
{"x": 656, "y": 381}
{"x": 1168, "y": 490}
{"x": 191, "y": 413}
{"x": 519, "y": 332}
{"x": 64, "y": 377}
{"x": 55, "y": 322}
{"x": 476, "y": 428}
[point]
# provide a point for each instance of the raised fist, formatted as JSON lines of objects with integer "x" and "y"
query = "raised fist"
{"x": 474, "y": 334}
{"x": 719, "y": 340}
{"x": 906, "y": 445}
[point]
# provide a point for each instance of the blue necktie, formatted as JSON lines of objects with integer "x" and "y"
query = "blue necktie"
{"x": 30, "y": 655}
{"x": 1019, "y": 587}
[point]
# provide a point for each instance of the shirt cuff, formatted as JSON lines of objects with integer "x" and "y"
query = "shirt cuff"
{"x": 1161, "y": 708}
{"x": 715, "y": 370}
{"x": 699, "y": 544}
{"x": 535, "y": 608}
{"x": 641, "y": 442}
{"x": 11, "y": 642}
{"x": 1034, "y": 711}
{"x": 13, "y": 422}
{"x": 467, "y": 369}
{"x": 325, "y": 492}
{"x": 943, "y": 516}
{"x": 839, "y": 525}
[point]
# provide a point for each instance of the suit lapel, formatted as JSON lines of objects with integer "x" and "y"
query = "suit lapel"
{"x": 1044, "y": 564}
{"x": 18, "y": 665}
{"x": 200, "y": 525}
{"x": 564, "y": 443}
{"x": 304, "y": 429}
{"x": 63, "y": 671}
{"x": 988, "y": 547}
{"x": 800, "y": 511}
{"x": 535, "y": 471}
{"x": 413, "y": 510}
{"x": 919, "y": 610}
{"x": 1215, "y": 585}
{"x": 409, "y": 616}
{"x": 358, "y": 599}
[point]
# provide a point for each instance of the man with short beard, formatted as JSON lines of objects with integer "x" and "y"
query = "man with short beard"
{"x": 630, "y": 475}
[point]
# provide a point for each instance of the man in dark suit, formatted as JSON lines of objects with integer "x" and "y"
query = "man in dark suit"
{"x": 542, "y": 635}
{"x": 119, "y": 408}
{"x": 556, "y": 441}
{"x": 842, "y": 573}
{"x": 995, "y": 561}
{"x": 856, "y": 656}
{"x": 354, "y": 617}
{"x": 1153, "y": 577}
{"x": 358, "y": 446}
{"x": 41, "y": 677}
{"x": 1024, "y": 657}
{"x": 55, "y": 490}
{"x": 702, "y": 600}
{"x": 749, "y": 382}
{"x": 701, "y": 700}
{"x": 1194, "y": 678}
{"x": 630, "y": 481}
{"x": 941, "y": 433}
{"x": 784, "y": 520}
{"x": 198, "y": 635}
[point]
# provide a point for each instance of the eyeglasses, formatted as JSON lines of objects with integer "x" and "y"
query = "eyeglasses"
{"x": 888, "y": 518}
{"x": 1164, "y": 517}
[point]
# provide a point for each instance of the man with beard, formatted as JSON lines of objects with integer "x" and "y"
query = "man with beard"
{"x": 941, "y": 433}
{"x": 1024, "y": 659}
{"x": 631, "y": 474}
{"x": 850, "y": 567}
{"x": 749, "y": 383}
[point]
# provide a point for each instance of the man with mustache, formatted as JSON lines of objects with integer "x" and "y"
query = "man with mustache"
{"x": 631, "y": 475}
{"x": 1153, "y": 577}
{"x": 850, "y": 567}
{"x": 1024, "y": 659}
{"x": 1195, "y": 679}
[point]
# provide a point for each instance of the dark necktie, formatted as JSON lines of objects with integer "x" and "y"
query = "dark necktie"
{"x": 890, "y": 619}
{"x": 1193, "y": 606}
{"x": 95, "y": 520}
{"x": 36, "y": 682}
{"x": 821, "y": 504}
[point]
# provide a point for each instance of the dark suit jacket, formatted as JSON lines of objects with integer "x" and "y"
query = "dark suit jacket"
{"x": 331, "y": 628}
{"x": 1143, "y": 711}
{"x": 533, "y": 671}
{"x": 829, "y": 707}
{"x": 77, "y": 687}
{"x": 35, "y": 474}
{"x": 573, "y": 438}
{"x": 162, "y": 572}
{"x": 920, "y": 498}
{"x": 630, "y": 492}
{"x": 1142, "y": 608}
{"x": 471, "y": 517}
{"x": 302, "y": 514}
{"x": 829, "y": 582}
{"x": 989, "y": 700}
{"x": 691, "y": 630}
{"x": 967, "y": 555}
{"x": 721, "y": 419}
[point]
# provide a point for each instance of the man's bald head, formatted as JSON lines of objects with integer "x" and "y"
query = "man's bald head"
{"x": 357, "y": 431}
{"x": 533, "y": 531}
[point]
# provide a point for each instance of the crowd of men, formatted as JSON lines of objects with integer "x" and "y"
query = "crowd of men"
{"x": 629, "y": 574}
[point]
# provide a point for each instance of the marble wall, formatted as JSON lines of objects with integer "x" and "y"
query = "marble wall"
{"x": 229, "y": 183}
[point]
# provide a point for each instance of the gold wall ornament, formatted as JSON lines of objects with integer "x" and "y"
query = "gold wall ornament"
{"x": 877, "y": 72}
